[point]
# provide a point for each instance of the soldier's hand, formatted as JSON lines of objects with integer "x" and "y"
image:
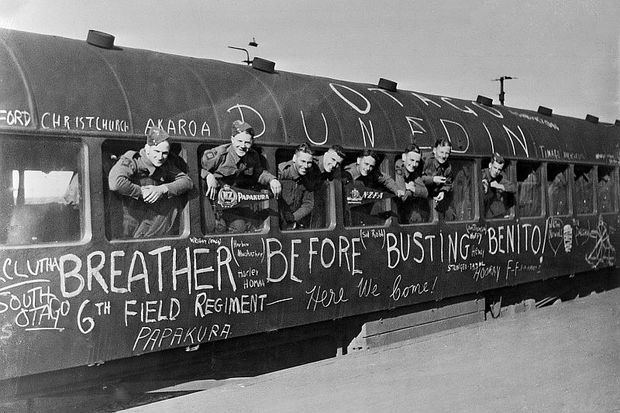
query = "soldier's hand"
{"x": 276, "y": 187}
{"x": 400, "y": 193}
{"x": 211, "y": 186}
{"x": 288, "y": 216}
{"x": 496, "y": 185}
{"x": 440, "y": 196}
{"x": 439, "y": 179}
{"x": 485, "y": 185}
{"x": 153, "y": 193}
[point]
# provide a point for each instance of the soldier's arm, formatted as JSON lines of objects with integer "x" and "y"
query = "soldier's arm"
{"x": 119, "y": 178}
{"x": 208, "y": 161}
{"x": 389, "y": 183}
{"x": 447, "y": 186}
{"x": 264, "y": 176}
{"x": 420, "y": 188}
{"x": 428, "y": 174}
{"x": 307, "y": 203}
{"x": 509, "y": 186}
{"x": 179, "y": 182}
{"x": 401, "y": 184}
{"x": 267, "y": 179}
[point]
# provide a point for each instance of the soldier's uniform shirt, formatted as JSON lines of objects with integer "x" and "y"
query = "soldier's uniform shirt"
{"x": 403, "y": 177}
{"x": 495, "y": 199}
{"x": 230, "y": 169}
{"x": 297, "y": 190}
{"x": 374, "y": 180}
{"x": 433, "y": 168}
{"x": 134, "y": 170}
{"x": 370, "y": 213}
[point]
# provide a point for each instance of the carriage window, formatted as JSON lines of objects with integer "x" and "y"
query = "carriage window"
{"x": 529, "y": 184}
{"x": 415, "y": 207}
{"x": 459, "y": 204}
{"x": 557, "y": 189}
{"x": 367, "y": 189}
{"x": 583, "y": 200}
{"x": 605, "y": 190}
{"x": 41, "y": 191}
{"x": 133, "y": 207}
{"x": 305, "y": 199}
{"x": 239, "y": 200}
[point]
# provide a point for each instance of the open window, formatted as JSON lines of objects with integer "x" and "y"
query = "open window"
{"x": 129, "y": 218}
{"x": 529, "y": 189}
{"x": 583, "y": 199}
{"x": 41, "y": 191}
{"x": 459, "y": 204}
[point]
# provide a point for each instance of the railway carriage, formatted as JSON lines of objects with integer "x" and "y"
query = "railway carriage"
{"x": 75, "y": 292}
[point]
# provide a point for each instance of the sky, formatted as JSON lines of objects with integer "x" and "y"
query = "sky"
{"x": 565, "y": 54}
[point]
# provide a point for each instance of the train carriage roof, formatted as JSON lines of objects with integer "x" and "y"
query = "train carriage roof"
{"x": 56, "y": 84}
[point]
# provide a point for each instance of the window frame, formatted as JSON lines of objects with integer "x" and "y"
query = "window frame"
{"x": 615, "y": 196}
{"x": 475, "y": 191}
{"x": 569, "y": 187}
{"x": 575, "y": 201}
{"x": 83, "y": 169}
{"x": 541, "y": 166}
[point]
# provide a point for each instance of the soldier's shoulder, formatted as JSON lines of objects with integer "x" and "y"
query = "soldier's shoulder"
{"x": 285, "y": 165}
{"x": 128, "y": 158}
{"x": 285, "y": 169}
{"x": 216, "y": 152}
{"x": 213, "y": 155}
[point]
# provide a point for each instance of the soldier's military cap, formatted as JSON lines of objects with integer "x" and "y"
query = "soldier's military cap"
{"x": 239, "y": 126}
{"x": 155, "y": 136}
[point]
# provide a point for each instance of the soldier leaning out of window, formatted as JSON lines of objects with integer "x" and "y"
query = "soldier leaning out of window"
{"x": 151, "y": 186}
{"x": 497, "y": 188}
{"x": 414, "y": 205}
{"x": 365, "y": 174}
{"x": 327, "y": 167}
{"x": 237, "y": 164}
{"x": 298, "y": 184}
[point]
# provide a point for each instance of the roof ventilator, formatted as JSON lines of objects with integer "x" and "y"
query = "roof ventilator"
{"x": 545, "y": 111}
{"x": 387, "y": 84}
{"x": 483, "y": 100}
{"x": 100, "y": 39}
{"x": 592, "y": 118}
{"x": 263, "y": 65}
